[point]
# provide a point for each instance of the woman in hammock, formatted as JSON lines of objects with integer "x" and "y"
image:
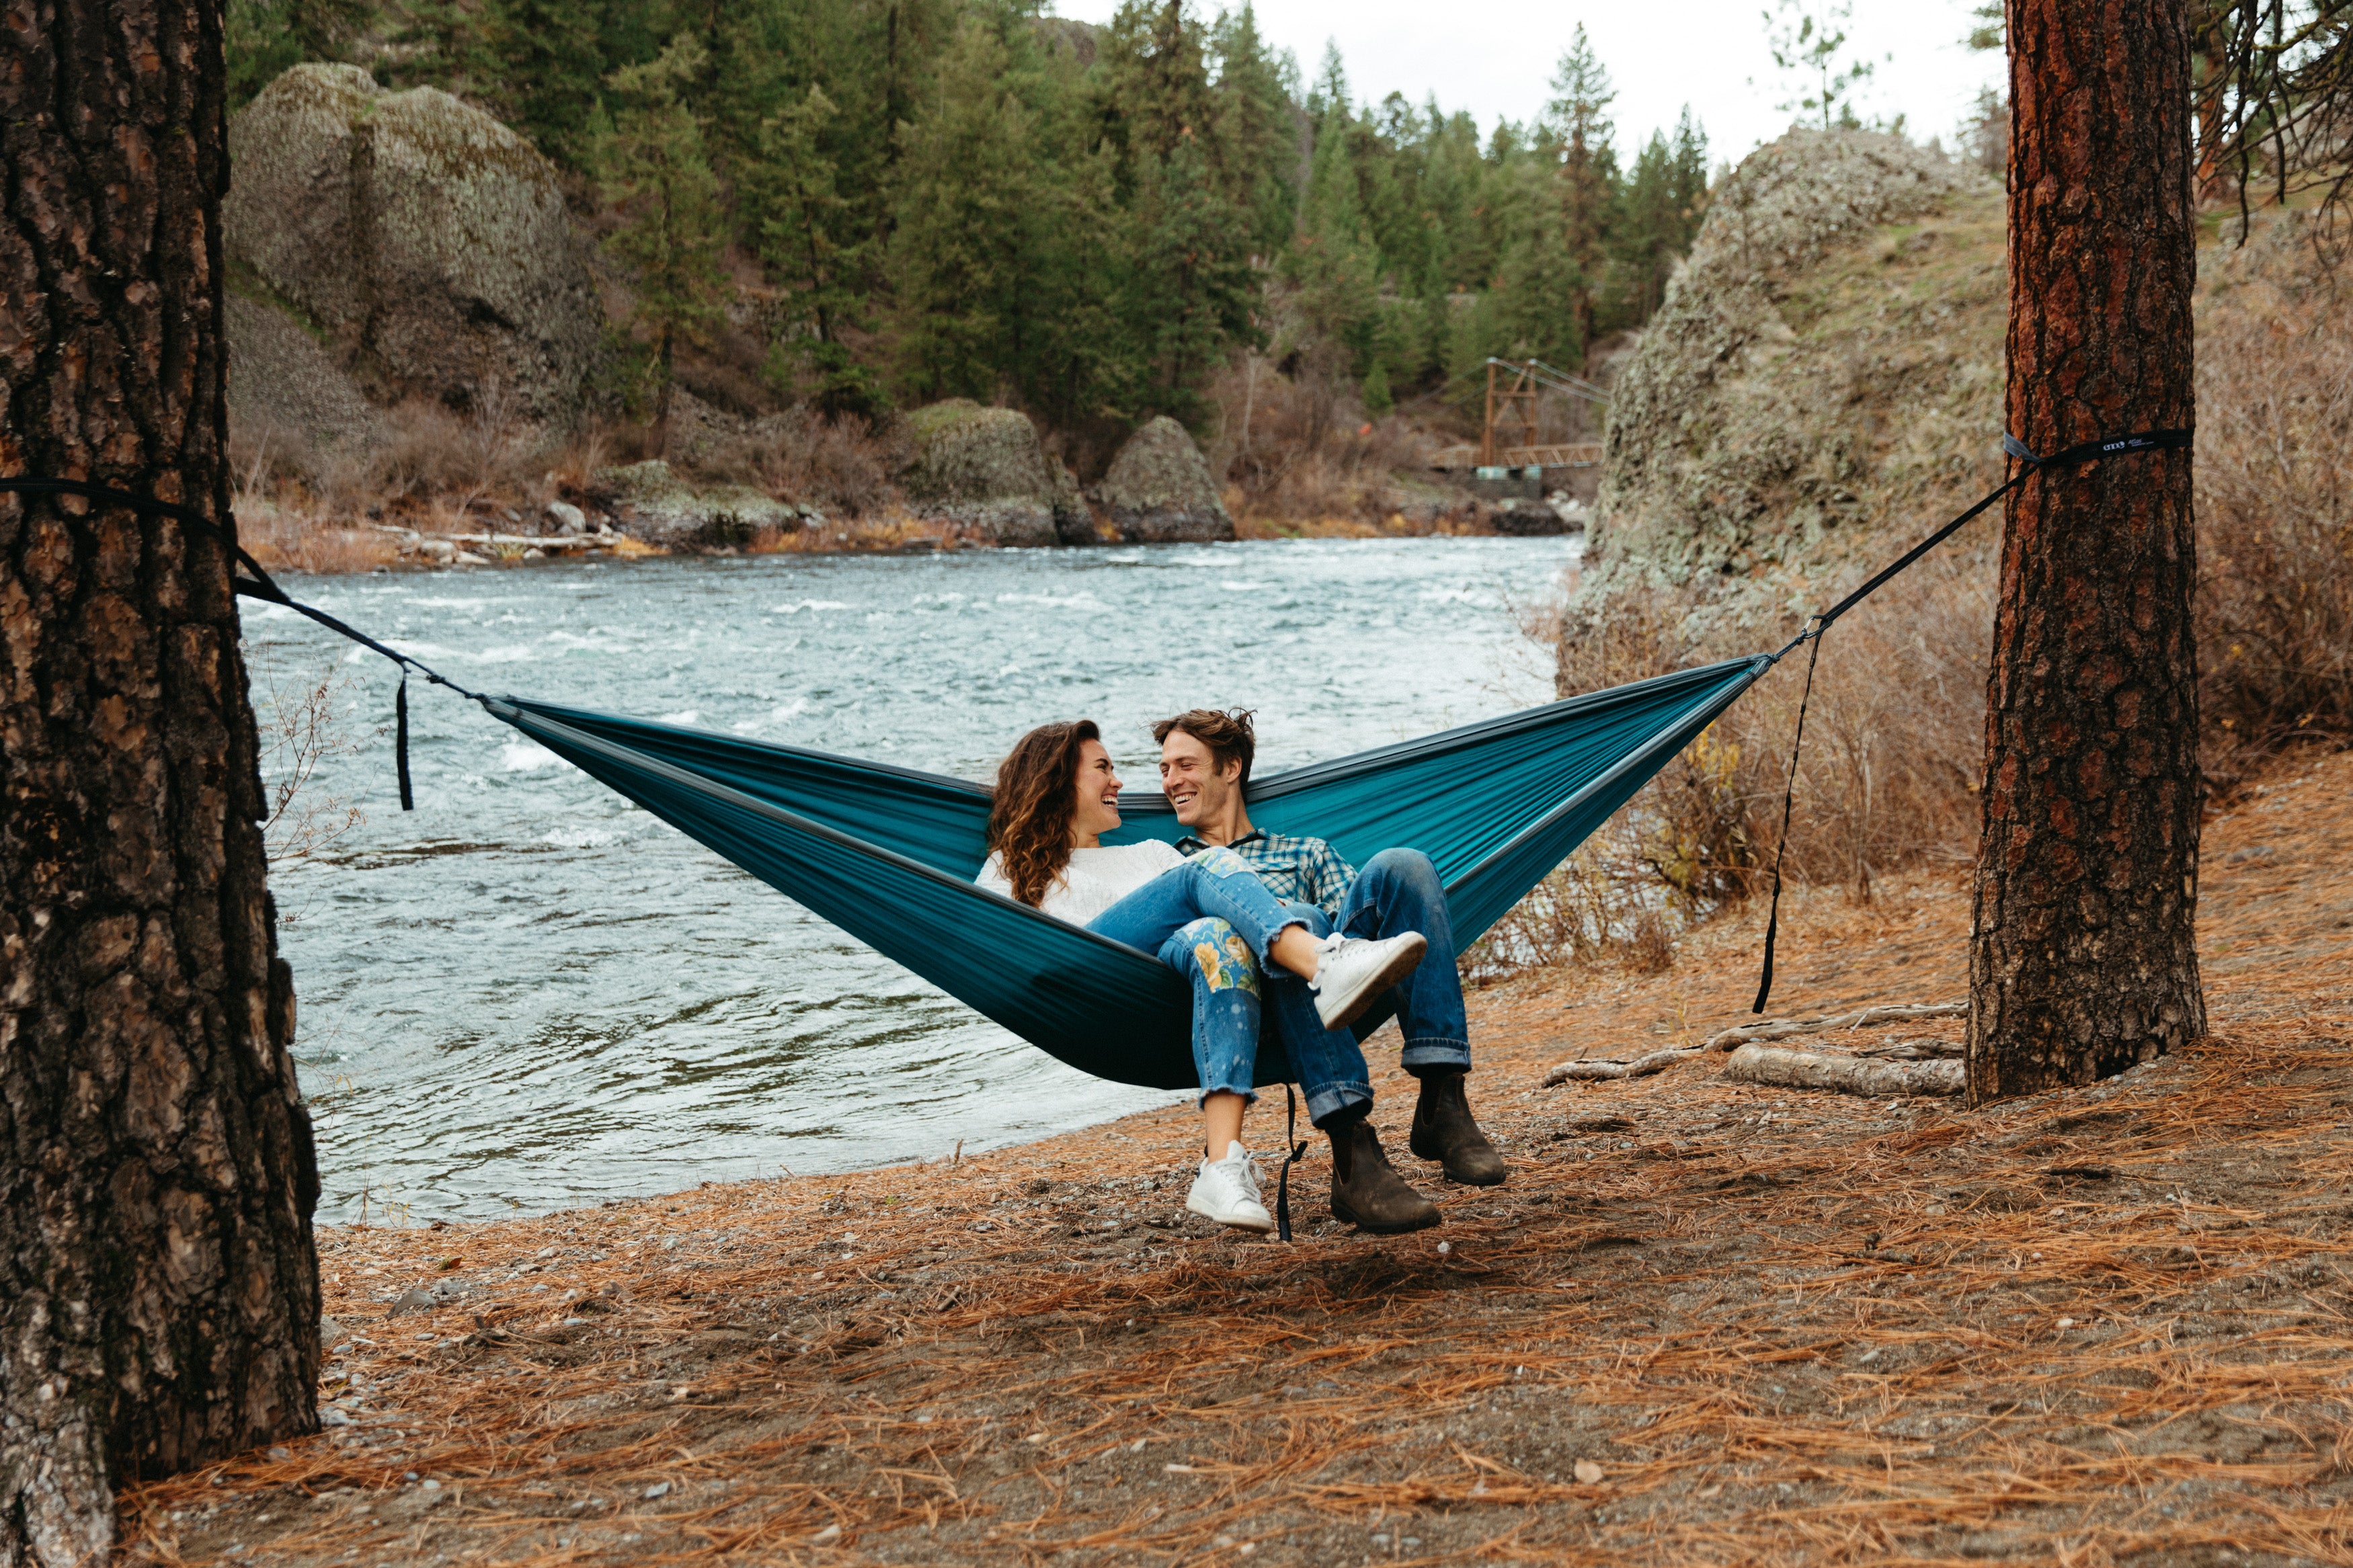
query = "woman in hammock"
{"x": 1208, "y": 918}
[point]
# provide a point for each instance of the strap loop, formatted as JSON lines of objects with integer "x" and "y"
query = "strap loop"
{"x": 400, "y": 742}
{"x": 1298, "y": 1153}
{"x": 1781, "y": 845}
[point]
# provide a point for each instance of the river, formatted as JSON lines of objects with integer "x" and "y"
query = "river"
{"x": 528, "y": 993}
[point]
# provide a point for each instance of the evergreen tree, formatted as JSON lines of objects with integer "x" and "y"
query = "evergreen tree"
{"x": 542, "y": 61}
{"x": 792, "y": 198}
{"x": 1155, "y": 81}
{"x": 1660, "y": 215}
{"x": 1331, "y": 89}
{"x": 1332, "y": 261}
{"x": 1689, "y": 167}
{"x": 262, "y": 37}
{"x": 1194, "y": 284}
{"x": 1807, "y": 39}
{"x": 1258, "y": 130}
{"x": 973, "y": 208}
{"x": 650, "y": 162}
{"x": 942, "y": 190}
{"x": 1586, "y": 181}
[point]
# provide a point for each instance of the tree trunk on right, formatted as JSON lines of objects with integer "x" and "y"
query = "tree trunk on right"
{"x": 2082, "y": 961}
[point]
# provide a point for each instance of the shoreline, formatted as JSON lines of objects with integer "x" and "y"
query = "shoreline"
{"x": 1704, "y": 1320}
{"x": 280, "y": 543}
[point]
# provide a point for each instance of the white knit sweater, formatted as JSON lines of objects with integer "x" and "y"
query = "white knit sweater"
{"x": 1094, "y": 881}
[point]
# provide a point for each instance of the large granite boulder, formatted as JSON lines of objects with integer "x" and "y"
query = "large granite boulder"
{"x": 981, "y": 468}
{"x": 660, "y": 508}
{"x": 290, "y": 398}
{"x": 426, "y": 241}
{"x": 1159, "y": 489}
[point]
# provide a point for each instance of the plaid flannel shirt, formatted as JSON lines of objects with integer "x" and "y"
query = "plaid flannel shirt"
{"x": 1297, "y": 870}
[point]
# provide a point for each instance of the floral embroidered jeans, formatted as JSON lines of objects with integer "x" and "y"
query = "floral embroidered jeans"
{"x": 1212, "y": 921}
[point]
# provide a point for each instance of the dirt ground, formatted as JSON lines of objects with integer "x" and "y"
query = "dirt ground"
{"x": 1704, "y": 1322}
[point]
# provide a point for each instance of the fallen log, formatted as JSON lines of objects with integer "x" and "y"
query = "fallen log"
{"x": 544, "y": 543}
{"x": 1782, "y": 1028}
{"x": 1910, "y": 1050}
{"x": 1848, "y": 1075}
{"x": 1596, "y": 1071}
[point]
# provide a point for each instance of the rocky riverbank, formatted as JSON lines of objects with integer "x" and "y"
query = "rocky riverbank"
{"x": 1704, "y": 1319}
{"x": 301, "y": 539}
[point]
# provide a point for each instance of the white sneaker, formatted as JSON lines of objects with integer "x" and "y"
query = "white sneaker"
{"x": 1227, "y": 1191}
{"x": 1354, "y": 971}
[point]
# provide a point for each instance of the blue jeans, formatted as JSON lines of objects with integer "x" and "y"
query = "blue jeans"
{"x": 1396, "y": 890}
{"x": 1212, "y": 921}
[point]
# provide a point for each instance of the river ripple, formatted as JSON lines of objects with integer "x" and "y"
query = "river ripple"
{"x": 529, "y": 993}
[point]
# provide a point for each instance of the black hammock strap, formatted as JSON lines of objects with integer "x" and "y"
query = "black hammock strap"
{"x": 1298, "y": 1148}
{"x": 2084, "y": 452}
{"x": 259, "y": 585}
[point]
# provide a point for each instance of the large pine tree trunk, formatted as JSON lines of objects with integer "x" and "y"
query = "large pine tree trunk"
{"x": 2080, "y": 959}
{"x": 159, "y": 1294}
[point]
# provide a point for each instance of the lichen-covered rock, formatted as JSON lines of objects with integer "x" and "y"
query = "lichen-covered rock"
{"x": 1074, "y": 520}
{"x": 1159, "y": 488}
{"x": 1526, "y": 519}
{"x": 981, "y": 468}
{"x": 288, "y": 398}
{"x": 1827, "y": 365}
{"x": 660, "y": 508}
{"x": 428, "y": 240}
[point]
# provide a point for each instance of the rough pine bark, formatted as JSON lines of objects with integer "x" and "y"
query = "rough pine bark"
{"x": 159, "y": 1293}
{"x": 2081, "y": 960}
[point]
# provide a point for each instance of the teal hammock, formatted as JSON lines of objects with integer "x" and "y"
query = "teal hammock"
{"x": 888, "y": 853}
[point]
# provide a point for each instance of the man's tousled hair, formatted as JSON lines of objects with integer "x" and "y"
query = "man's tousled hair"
{"x": 1227, "y": 733}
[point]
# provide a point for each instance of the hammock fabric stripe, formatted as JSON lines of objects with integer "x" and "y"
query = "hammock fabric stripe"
{"x": 888, "y": 853}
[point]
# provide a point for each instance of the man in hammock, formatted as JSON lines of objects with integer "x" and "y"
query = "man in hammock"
{"x": 1205, "y": 765}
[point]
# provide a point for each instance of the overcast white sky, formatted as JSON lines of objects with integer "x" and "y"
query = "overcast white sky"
{"x": 1494, "y": 57}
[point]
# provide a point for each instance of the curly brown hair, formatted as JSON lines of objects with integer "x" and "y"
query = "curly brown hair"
{"x": 1030, "y": 821}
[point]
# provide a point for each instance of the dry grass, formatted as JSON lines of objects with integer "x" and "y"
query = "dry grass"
{"x": 842, "y": 466}
{"x": 1895, "y": 739}
{"x": 2092, "y": 1326}
{"x": 2274, "y": 504}
{"x": 296, "y": 534}
{"x": 1300, "y": 455}
{"x": 1895, "y": 731}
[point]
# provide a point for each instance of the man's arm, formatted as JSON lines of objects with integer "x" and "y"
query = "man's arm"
{"x": 1324, "y": 878}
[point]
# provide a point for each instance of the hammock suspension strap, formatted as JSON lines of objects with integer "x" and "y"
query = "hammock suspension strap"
{"x": 2072, "y": 456}
{"x": 259, "y": 586}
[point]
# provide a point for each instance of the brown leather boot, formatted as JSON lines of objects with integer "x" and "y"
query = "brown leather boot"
{"x": 1365, "y": 1191}
{"x": 1443, "y": 1129}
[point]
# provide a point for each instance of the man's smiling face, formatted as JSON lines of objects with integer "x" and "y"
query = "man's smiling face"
{"x": 1196, "y": 785}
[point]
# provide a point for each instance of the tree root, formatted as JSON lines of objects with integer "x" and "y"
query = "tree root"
{"x": 1640, "y": 1067}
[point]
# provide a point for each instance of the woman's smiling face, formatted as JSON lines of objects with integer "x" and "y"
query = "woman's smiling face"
{"x": 1094, "y": 810}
